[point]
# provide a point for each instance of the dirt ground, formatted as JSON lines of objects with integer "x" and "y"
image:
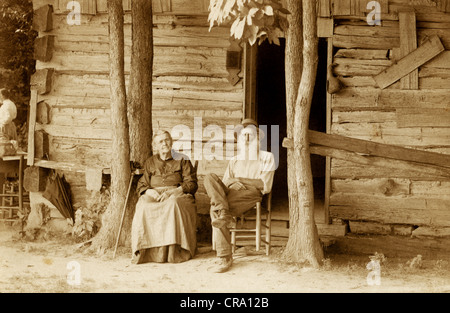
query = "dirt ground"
{"x": 44, "y": 267}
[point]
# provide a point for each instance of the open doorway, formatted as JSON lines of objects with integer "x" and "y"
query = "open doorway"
{"x": 270, "y": 98}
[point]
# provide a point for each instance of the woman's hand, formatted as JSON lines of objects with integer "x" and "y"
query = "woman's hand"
{"x": 151, "y": 195}
{"x": 169, "y": 193}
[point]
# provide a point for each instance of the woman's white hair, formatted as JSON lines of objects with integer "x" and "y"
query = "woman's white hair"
{"x": 160, "y": 132}
{"x": 8, "y": 112}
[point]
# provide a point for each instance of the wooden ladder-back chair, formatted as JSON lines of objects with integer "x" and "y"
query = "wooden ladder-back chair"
{"x": 262, "y": 231}
{"x": 261, "y": 210}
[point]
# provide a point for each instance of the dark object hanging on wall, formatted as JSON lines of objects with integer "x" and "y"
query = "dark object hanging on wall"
{"x": 233, "y": 61}
{"x": 57, "y": 191}
{"x": 334, "y": 85}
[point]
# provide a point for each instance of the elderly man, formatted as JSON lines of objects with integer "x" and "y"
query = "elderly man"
{"x": 164, "y": 224}
{"x": 248, "y": 177}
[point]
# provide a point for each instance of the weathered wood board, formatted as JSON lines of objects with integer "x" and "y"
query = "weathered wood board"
{"x": 410, "y": 62}
{"x": 408, "y": 43}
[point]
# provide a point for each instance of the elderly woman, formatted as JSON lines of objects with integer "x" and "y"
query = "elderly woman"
{"x": 164, "y": 224}
{"x": 8, "y": 134}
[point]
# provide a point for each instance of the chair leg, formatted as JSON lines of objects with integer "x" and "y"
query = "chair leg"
{"x": 258, "y": 226}
{"x": 268, "y": 232}
{"x": 213, "y": 244}
{"x": 11, "y": 201}
{"x": 233, "y": 241}
{"x": 3, "y": 200}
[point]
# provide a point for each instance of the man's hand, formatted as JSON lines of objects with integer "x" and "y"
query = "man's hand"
{"x": 237, "y": 185}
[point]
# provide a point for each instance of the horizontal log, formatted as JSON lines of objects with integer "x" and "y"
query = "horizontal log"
{"x": 422, "y": 6}
{"x": 377, "y": 149}
{"x": 365, "y": 42}
{"x": 363, "y": 117}
{"x": 97, "y": 153}
{"x": 373, "y": 40}
{"x": 378, "y": 186}
{"x": 86, "y": 152}
{"x": 434, "y": 83}
{"x": 433, "y": 25}
{"x": 344, "y": 169}
{"x": 363, "y": 54}
{"x": 395, "y": 210}
{"x": 426, "y": 231}
{"x": 413, "y": 168}
{"x": 89, "y": 129}
{"x": 79, "y": 116}
{"x": 97, "y": 86}
{"x": 181, "y": 65}
{"x": 189, "y": 36}
{"x": 438, "y": 17}
{"x": 353, "y": 67}
{"x": 87, "y": 44}
{"x": 357, "y": 227}
{"x": 75, "y": 131}
{"x": 434, "y": 72}
{"x": 389, "y": 133}
{"x": 64, "y": 166}
{"x": 390, "y": 98}
{"x": 361, "y": 81}
{"x": 436, "y": 189}
{"x": 392, "y": 246}
{"x": 365, "y": 31}
{"x": 423, "y": 117}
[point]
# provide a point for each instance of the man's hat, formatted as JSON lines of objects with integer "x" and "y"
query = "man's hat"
{"x": 249, "y": 121}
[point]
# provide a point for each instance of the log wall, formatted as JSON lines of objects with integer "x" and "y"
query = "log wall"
{"x": 190, "y": 79}
{"x": 418, "y": 119}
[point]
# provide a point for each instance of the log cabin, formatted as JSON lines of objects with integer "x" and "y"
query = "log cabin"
{"x": 380, "y": 141}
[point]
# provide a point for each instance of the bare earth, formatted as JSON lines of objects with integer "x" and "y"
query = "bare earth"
{"x": 42, "y": 267}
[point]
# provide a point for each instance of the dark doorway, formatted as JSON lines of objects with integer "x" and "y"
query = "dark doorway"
{"x": 271, "y": 107}
{"x": 271, "y": 110}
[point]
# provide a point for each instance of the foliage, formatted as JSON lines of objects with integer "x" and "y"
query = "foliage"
{"x": 251, "y": 19}
{"x": 16, "y": 49}
{"x": 88, "y": 219}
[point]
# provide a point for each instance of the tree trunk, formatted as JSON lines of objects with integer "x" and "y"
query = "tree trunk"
{"x": 120, "y": 164}
{"x": 140, "y": 89}
{"x": 293, "y": 70}
{"x": 303, "y": 244}
{"x": 139, "y": 98}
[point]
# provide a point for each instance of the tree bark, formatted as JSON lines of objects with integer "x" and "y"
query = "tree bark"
{"x": 303, "y": 244}
{"x": 293, "y": 73}
{"x": 139, "y": 99}
{"x": 120, "y": 165}
{"x": 140, "y": 89}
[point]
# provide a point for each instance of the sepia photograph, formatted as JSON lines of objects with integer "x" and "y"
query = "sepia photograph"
{"x": 216, "y": 154}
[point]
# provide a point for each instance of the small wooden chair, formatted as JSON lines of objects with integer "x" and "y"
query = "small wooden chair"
{"x": 261, "y": 230}
{"x": 262, "y": 209}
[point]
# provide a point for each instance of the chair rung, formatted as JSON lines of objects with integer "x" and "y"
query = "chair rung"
{"x": 245, "y": 236}
{"x": 251, "y": 237}
{"x": 242, "y": 230}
